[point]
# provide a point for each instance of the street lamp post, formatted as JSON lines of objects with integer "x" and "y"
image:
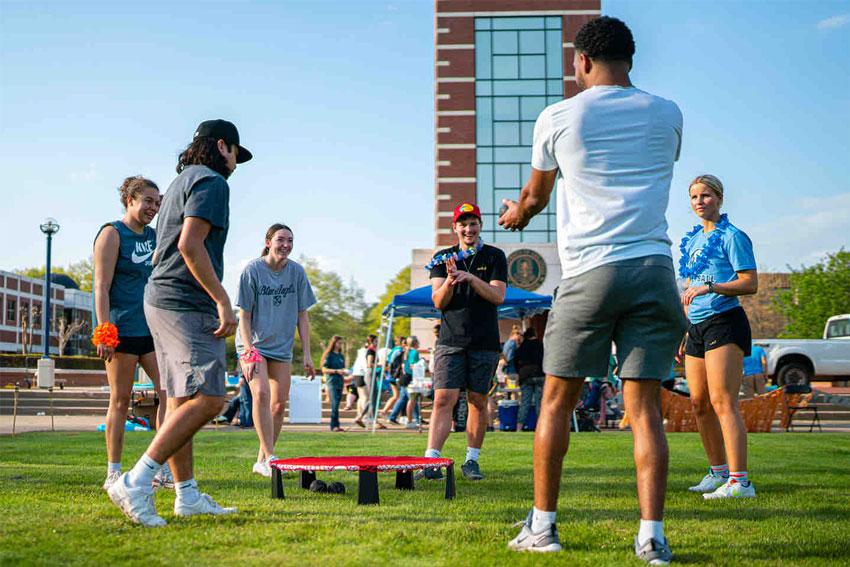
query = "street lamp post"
{"x": 45, "y": 365}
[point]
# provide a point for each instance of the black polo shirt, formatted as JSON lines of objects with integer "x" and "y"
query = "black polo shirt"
{"x": 470, "y": 321}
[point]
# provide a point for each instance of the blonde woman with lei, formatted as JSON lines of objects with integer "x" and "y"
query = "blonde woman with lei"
{"x": 274, "y": 295}
{"x": 122, "y": 266}
{"x": 718, "y": 262}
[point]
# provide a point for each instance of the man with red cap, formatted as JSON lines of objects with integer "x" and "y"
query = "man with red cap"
{"x": 468, "y": 285}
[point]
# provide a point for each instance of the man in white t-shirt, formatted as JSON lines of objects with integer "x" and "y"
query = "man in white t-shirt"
{"x": 614, "y": 147}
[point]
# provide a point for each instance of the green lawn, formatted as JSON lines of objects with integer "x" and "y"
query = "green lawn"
{"x": 54, "y": 510}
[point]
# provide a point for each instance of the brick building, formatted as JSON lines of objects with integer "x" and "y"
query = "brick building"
{"x": 21, "y": 304}
{"x": 498, "y": 63}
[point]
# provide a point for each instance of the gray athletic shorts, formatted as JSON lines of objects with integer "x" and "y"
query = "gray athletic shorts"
{"x": 190, "y": 358}
{"x": 634, "y": 303}
{"x": 457, "y": 368}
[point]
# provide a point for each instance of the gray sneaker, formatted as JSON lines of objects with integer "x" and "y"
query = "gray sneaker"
{"x": 527, "y": 540}
{"x": 136, "y": 503}
{"x": 471, "y": 470}
{"x": 429, "y": 474}
{"x": 654, "y": 552}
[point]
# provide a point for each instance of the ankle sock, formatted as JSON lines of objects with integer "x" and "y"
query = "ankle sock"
{"x": 650, "y": 529}
{"x": 187, "y": 491}
{"x": 472, "y": 454}
{"x": 113, "y": 467}
{"x": 540, "y": 520}
{"x": 432, "y": 454}
{"x": 142, "y": 474}
{"x": 720, "y": 470}
{"x": 740, "y": 477}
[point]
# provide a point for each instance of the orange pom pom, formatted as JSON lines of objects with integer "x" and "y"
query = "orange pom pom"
{"x": 105, "y": 334}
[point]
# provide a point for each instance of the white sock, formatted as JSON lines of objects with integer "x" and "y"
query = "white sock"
{"x": 650, "y": 529}
{"x": 113, "y": 467}
{"x": 472, "y": 454}
{"x": 187, "y": 491}
{"x": 540, "y": 520}
{"x": 432, "y": 454}
{"x": 143, "y": 473}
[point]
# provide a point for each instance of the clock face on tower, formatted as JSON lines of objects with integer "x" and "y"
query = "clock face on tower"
{"x": 526, "y": 270}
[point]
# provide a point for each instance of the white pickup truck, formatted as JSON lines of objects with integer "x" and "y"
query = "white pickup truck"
{"x": 798, "y": 361}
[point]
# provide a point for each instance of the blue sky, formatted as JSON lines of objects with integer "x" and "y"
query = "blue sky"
{"x": 335, "y": 100}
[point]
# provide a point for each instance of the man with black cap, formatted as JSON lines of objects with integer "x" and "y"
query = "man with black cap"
{"x": 468, "y": 285}
{"x": 189, "y": 315}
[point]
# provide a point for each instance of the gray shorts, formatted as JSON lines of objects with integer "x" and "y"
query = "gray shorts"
{"x": 634, "y": 303}
{"x": 456, "y": 368}
{"x": 190, "y": 358}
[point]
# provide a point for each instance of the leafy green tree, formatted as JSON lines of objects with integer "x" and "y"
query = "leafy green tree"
{"x": 396, "y": 286}
{"x": 81, "y": 272}
{"x": 817, "y": 293}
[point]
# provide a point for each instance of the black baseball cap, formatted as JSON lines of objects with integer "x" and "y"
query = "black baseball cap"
{"x": 224, "y": 130}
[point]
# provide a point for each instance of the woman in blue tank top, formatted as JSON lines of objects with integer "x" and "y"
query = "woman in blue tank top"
{"x": 122, "y": 265}
{"x": 718, "y": 262}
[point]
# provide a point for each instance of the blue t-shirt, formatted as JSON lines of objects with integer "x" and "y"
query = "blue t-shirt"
{"x": 509, "y": 351}
{"x": 734, "y": 254}
{"x": 334, "y": 361}
{"x": 132, "y": 270}
{"x": 412, "y": 358}
{"x": 752, "y": 363}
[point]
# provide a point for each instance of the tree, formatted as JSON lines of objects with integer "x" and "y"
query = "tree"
{"x": 81, "y": 272}
{"x": 396, "y": 286}
{"x": 67, "y": 330}
{"x": 816, "y": 294}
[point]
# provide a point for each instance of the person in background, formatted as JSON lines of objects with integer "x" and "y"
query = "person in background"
{"x": 509, "y": 351}
{"x": 755, "y": 370}
{"x": 411, "y": 358}
{"x": 529, "y": 362}
{"x": 397, "y": 350}
{"x": 333, "y": 367}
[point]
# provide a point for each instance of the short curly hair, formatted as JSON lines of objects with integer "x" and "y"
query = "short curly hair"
{"x": 605, "y": 39}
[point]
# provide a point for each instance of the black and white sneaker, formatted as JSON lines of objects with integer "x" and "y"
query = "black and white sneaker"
{"x": 542, "y": 542}
{"x": 471, "y": 470}
{"x": 654, "y": 552}
{"x": 429, "y": 474}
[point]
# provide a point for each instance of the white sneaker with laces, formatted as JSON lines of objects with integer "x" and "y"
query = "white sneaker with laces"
{"x": 136, "y": 503}
{"x": 709, "y": 483}
{"x": 111, "y": 477}
{"x": 204, "y": 505}
{"x": 732, "y": 489}
{"x": 262, "y": 468}
{"x": 545, "y": 541}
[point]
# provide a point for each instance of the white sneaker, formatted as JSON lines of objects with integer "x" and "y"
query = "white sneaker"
{"x": 411, "y": 425}
{"x": 262, "y": 468}
{"x": 709, "y": 483}
{"x": 111, "y": 477}
{"x": 164, "y": 478}
{"x": 204, "y": 505}
{"x": 136, "y": 503}
{"x": 732, "y": 489}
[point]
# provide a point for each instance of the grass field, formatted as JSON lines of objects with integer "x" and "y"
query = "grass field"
{"x": 54, "y": 511}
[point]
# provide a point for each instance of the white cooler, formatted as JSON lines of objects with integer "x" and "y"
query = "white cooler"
{"x": 305, "y": 400}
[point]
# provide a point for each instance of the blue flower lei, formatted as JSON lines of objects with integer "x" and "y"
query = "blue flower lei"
{"x": 712, "y": 244}
{"x": 463, "y": 254}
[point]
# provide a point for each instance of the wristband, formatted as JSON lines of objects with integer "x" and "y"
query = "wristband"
{"x": 251, "y": 355}
{"x": 710, "y": 285}
{"x": 105, "y": 334}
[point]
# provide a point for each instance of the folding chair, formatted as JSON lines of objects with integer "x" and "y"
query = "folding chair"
{"x": 802, "y": 394}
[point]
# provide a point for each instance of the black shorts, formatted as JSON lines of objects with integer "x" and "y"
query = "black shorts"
{"x": 462, "y": 369}
{"x": 360, "y": 381}
{"x": 135, "y": 345}
{"x": 728, "y": 327}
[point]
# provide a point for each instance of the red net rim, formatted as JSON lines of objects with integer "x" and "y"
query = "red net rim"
{"x": 373, "y": 464}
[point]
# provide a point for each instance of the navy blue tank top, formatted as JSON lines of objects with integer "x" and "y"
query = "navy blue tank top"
{"x": 132, "y": 270}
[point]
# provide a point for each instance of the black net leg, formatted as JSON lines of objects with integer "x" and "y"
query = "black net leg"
{"x": 450, "y": 482}
{"x": 367, "y": 492}
{"x": 404, "y": 480}
{"x": 306, "y": 478}
{"x": 277, "y": 483}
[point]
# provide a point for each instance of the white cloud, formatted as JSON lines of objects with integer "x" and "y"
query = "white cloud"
{"x": 90, "y": 174}
{"x": 834, "y": 22}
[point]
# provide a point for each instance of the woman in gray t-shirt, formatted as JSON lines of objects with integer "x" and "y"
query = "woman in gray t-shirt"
{"x": 274, "y": 295}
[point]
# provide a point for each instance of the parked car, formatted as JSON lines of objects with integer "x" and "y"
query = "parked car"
{"x": 798, "y": 361}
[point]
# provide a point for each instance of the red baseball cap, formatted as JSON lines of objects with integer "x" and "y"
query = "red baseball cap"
{"x": 466, "y": 209}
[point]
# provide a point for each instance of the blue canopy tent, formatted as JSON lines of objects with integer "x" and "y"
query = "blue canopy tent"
{"x": 518, "y": 304}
